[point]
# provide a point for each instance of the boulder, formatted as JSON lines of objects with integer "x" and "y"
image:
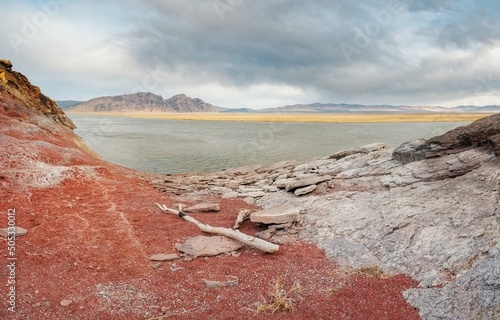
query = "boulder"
{"x": 482, "y": 133}
{"x": 203, "y": 246}
{"x": 277, "y": 215}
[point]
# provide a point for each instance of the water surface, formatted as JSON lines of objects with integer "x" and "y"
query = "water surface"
{"x": 174, "y": 146}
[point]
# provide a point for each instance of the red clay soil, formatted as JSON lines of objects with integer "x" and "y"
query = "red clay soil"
{"x": 93, "y": 225}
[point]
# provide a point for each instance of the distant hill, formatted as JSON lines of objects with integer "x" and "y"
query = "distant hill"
{"x": 359, "y": 108}
{"x": 66, "y": 104}
{"x": 143, "y": 102}
{"x": 149, "y": 102}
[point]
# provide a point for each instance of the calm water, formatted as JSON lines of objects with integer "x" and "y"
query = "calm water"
{"x": 165, "y": 146}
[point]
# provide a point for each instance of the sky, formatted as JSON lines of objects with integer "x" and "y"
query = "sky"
{"x": 260, "y": 53}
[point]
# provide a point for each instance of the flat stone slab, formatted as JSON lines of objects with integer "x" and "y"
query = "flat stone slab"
{"x": 306, "y": 182}
{"x": 305, "y": 190}
{"x": 203, "y": 207}
{"x": 230, "y": 195}
{"x": 161, "y": 257}
{"x": 257, "y": 194}
{"x": 277, "y": 215}
{"x": 4, "y": 232}
{"x": 282, "y": 183}
{"x": 203, "y": 246}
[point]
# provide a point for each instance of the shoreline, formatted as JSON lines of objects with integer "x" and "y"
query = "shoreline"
{"x": 292, "y": 117}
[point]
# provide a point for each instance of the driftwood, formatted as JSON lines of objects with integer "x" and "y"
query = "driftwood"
{"x": 242, "y": 216}
{"x": 230, "y": 233}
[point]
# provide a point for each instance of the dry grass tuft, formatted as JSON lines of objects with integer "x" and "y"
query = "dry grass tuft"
{"x": 373, "y": 272}
{"x": 282, "y": 301}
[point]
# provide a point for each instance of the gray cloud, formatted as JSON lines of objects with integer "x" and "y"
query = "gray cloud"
{"x": 374, "y": 51}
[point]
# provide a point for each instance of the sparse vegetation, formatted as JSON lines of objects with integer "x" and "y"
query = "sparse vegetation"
{"x": 281, "y": 299}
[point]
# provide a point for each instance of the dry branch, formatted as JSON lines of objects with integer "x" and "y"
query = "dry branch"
{"x": 230, "y": 233}
{"x": 242, "y": 216}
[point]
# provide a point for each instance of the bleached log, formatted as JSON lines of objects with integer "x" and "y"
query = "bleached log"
{"x": 230, "y": 233}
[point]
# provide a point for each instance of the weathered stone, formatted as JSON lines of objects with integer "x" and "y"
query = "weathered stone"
{"x": 311, "y": 165}
{"x": 161, "y": 257}
{"x": 202, "y": 246}
{"x": 65, "y": 303}
{"x": 282, "y": 183}
{"x": 256, "y": 194}
{"x": 305, "y": 190}
{"x": 276, "y": 215}
{"x": 233, "y": 282}
{"x": 7, "y": 64}
{"x": 203, "y": 207}
{"x": 230, "y": 195}
{"x": 307, "y": 182}
{"x": 270, "y": 188}
{"x": 18, "y": 232}
{"x": 249, "y": 201}
{"x": 365, "y": 149}
{"x": 475, "y": 295}
{"x": 249, "y": 189}
{"x": 266, "y": 234}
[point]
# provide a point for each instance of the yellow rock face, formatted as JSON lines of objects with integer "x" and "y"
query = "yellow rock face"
{"x": 3, "y": 78}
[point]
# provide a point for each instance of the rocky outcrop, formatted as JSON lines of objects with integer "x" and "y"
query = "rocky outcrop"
{"x": 482, "y": 133}
{"x": 143, "y": 102}
{"x": 20, "y": 99}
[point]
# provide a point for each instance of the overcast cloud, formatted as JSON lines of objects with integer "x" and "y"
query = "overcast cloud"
{"x": 260, "y": 53}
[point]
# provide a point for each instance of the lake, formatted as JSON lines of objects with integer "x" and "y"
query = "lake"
{"x": 176, "y": 146}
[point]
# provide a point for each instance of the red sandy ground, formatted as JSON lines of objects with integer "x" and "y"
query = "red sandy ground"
{"x": 90, "y": 237}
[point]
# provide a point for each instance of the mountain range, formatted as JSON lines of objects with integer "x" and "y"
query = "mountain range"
{"x": 149, "y": 102}
{"x": 139, "y": 102}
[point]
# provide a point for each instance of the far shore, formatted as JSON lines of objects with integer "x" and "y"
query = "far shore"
{"x": 305, "y": 117}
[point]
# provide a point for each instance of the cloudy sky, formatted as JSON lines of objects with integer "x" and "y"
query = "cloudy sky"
{"x": 260, "y": 53}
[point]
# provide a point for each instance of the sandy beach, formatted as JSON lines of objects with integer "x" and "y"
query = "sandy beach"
{"x": 279, "y": 117}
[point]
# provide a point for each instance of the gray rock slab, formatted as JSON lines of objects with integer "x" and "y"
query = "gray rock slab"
{"x": 18, "y": 232}
{"x": 276, "y": 215}
{"x": 256, "y": 194}
{"x": 203, "y": 246}
{"x": 203, "y": 207}
{"x": 307, "y": 182}
{"x": 474, "y": 295}
{"x": 305, "y": 190}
